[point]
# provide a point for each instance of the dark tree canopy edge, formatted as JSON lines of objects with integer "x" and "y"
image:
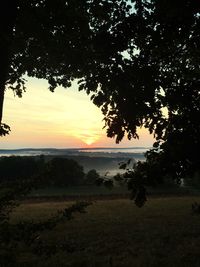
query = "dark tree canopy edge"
{"x": 135, "y": 58}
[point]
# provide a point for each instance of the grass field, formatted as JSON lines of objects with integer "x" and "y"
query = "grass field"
{"x": 83, "y": 190}
{"x": 116, "y": 233}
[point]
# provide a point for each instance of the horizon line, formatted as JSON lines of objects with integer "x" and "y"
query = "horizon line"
{"x": 75, "y": 148}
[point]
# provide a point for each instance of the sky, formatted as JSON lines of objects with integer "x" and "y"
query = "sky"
{"x": 63, "y": 119}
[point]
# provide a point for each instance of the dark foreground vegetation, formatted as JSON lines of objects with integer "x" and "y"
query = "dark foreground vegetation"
{"x": 43, "y": 176}
{"x": 165, "y": 232}
{"x": 135, "y": 58}
{"x": 44, "y": 171}
{"x": 48, "y": 230}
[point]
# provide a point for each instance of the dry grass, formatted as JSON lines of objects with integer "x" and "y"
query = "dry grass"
{"x": 117, "y": 233}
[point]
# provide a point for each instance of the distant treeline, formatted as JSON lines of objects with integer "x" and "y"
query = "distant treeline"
{"x": 56, "y": 171}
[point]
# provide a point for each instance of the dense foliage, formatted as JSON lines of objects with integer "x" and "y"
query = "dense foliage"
{"x": 41, "y": 171}
{"x": 20, "y": 168}
{"x": 138, "y": 59}
{"x": 64, "y": 172}
{"x": 91, "y": 177}
{"x": 18, "y": 177}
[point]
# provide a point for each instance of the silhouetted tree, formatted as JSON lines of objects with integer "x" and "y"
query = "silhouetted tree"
{"x": 138, "y": 59}
{"x": 91, "y": 177}
{"x": 19, "y": 168}
{"x": 40, "y": 39}
{"x": 64, "y": 172}
{"x": 18, "y": 177}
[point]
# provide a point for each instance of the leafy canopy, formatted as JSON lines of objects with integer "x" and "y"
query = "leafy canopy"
{"x": 135, "y": 58}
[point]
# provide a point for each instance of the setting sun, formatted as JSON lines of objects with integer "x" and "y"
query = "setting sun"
{"x": 89, "y": 141}
{"x": 87, "y": 137}
{"x": 66, "y": 118}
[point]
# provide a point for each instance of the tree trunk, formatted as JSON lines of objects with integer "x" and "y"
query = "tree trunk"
{"x": 8, "y": 11}
{"x": 3, "y": 77}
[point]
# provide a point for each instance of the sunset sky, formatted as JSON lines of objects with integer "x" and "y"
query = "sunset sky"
{"x": 63, "y": 119}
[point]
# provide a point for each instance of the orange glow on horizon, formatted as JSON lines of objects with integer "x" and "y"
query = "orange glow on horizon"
{"x": 89, "y": 142}
{"x": 64, "y": 119}
{"x": 88, "y": 137}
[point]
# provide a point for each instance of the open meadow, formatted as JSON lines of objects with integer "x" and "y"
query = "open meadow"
{"x": 116, "y": 233}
